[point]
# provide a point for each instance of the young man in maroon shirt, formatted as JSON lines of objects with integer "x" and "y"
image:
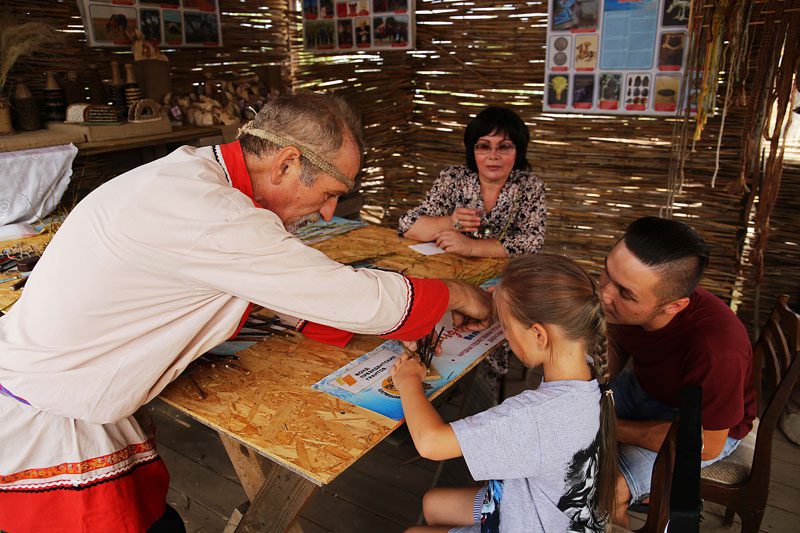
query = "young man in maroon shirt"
{"x": 676, "y": 334}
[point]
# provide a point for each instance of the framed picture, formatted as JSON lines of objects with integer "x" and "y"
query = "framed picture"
{"x": 165, "y": 23}
{"x": 358, "y": 25}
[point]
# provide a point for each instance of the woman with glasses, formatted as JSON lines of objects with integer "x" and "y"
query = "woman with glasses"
{"x": 492, "y": 207}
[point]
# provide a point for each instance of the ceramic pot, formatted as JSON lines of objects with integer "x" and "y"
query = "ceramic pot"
{"x": 54, "y": 105}
{"x": 5, "y": 116}
{"x": 26, "y": 110}
{"x": 153, "y": 76}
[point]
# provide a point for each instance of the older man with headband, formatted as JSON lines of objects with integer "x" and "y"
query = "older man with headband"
{"x": 156, "y": 267}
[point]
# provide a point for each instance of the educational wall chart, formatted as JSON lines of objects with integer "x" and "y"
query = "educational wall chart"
{"x": 351, "y": 25}
{"x": 622, "y": 57}
{"x": 165, "y": 23}
{"x": 366, "y": 382}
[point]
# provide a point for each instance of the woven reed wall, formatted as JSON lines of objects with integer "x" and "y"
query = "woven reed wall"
{"x": 253, "y": 34}
{"x": 782, "y": 260}
{"x": 380, "y": 86}
{"x": 601, "y": 172}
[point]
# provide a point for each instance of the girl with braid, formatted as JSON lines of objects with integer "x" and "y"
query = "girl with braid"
{"x": 548, "y": 455}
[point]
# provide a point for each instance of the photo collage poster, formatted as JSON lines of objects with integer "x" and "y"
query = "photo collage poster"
{"x": 624, "y": 57}
{"x": 165, "y": 23}
{"x": 352, "y": 25}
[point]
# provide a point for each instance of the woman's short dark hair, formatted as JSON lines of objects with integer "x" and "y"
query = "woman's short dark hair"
{"x": 499, "y": 120}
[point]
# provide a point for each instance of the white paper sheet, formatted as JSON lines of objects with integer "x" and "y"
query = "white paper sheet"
{"x": 426, "y": 248}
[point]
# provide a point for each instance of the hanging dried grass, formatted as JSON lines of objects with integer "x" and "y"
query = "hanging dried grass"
{"x": 20, "y": 40}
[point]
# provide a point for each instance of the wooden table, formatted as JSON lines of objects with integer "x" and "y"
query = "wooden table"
{"x": 284, "y": 438}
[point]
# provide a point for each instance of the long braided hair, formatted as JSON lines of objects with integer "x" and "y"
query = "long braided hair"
{"x": 553, "y": 289}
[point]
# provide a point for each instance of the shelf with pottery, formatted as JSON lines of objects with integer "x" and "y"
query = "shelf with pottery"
{"x": 130, "y": 121}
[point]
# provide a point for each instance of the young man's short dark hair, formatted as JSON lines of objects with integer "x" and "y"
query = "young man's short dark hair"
{"x": 673, "y": 249}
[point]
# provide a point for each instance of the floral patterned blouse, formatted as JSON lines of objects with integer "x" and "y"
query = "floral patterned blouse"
{"x": 517, "y": 219}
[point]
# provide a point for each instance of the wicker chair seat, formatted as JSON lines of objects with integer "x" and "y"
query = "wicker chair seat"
{"x": 736, "y": 467}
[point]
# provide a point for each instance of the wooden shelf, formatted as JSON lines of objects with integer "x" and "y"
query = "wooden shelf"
{"x": 28, "y": 140}
{"x": 44, "y": 138}
{"x": 177, "y": 135}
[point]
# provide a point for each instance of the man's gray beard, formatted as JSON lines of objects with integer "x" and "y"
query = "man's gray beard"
{"x": 293, "y": 227}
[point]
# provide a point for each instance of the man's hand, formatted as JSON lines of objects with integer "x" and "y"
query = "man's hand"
{"x": 471, "y": 306}
{"x": 407, "y": 371}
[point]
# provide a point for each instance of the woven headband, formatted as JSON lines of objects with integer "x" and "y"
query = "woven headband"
{"x": 287, "y": 140}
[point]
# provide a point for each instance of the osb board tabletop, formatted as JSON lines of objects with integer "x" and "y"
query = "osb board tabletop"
{"x": 275, "y": 411}
{"x": 35, "y": 244}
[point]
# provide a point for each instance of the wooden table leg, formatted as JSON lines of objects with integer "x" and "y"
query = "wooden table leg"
{"x": 278, "y": 504}
{"x": 251, "y": 468}
{"x": 276, "y": 494}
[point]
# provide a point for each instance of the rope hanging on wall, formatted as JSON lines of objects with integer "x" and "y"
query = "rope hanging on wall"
{"x": 778, "y": 66}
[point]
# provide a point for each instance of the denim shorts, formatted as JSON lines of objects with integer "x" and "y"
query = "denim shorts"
{"x": 635, "y": 463}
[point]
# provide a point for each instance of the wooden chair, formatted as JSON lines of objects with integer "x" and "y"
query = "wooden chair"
{"x": 675, "y": 487}
{"x": 740, "y": 482}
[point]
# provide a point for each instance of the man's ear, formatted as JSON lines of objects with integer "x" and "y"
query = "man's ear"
{"x": 676, "y": 306}
{"x": 285, "y": 164}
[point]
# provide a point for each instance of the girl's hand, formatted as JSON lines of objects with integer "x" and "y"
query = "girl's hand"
{"x": 454, "y": 242}
{"x": 466, "y": 219}
{"x": 407, "y": 371}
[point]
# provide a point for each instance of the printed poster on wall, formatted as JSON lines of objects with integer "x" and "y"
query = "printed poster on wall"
{"x": 624, "y": 57}
{"x": 351, "y": 25}
{"x": 165, "y": 23}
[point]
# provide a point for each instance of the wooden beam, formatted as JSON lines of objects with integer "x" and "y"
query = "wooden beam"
{"x": 278, "y": 504}
{"x": 251, "y": 468}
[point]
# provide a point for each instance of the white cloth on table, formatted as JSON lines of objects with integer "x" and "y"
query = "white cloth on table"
{"x": 32, "y": 182}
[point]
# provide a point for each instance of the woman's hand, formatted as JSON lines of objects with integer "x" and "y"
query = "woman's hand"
{"x": 466, "y": 219}
{"x": 453, "y": 242}
{"x": 407, "y": 371}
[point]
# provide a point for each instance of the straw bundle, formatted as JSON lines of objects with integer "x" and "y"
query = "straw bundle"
{"x": 20, "y": 40}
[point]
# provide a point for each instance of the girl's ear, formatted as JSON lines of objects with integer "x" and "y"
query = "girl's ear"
{"x": 540, "y": 336}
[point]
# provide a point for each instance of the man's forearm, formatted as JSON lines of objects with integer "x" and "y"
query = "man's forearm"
{"x": 649, "y": 434}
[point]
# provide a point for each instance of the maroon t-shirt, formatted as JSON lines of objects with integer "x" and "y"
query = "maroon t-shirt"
{"x": 706, "y": 345}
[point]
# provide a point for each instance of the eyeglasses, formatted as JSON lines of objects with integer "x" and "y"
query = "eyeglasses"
{"x": 504, "y": 148}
